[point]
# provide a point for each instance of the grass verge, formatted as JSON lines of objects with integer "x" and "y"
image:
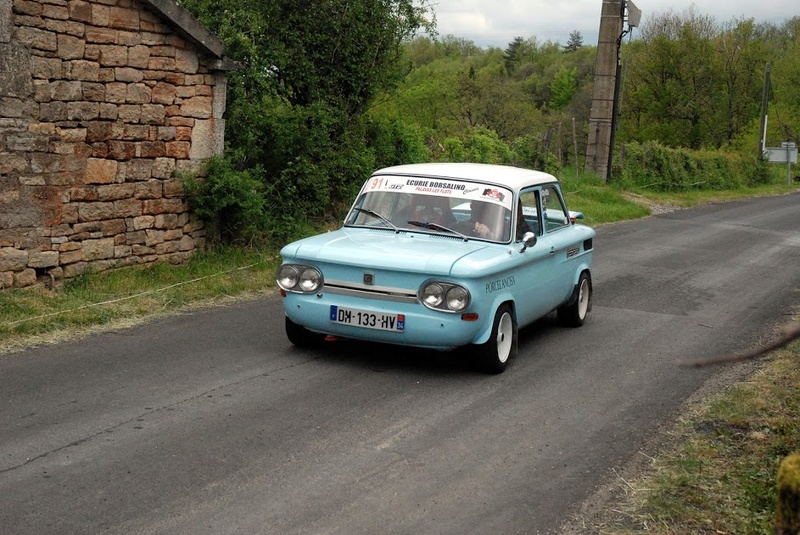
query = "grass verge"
{"x": 114, "y": 299}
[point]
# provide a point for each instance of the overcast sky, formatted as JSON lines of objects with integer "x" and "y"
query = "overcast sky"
{"x": 497, "y": 22}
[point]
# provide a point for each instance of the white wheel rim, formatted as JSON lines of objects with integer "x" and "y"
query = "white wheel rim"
{"x": 583, "y": 298}
{"x": 505, "y": 337}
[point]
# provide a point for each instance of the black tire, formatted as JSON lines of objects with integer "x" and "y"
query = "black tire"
{"x": 300, "y": 336}
{"x": 574, "y": 313}
{"x": 494, "y": 354}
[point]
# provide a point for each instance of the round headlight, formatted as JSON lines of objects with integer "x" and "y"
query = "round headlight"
{"x": 433, "y": 295}
{"x": 287, "y": 277}
{"x": 310, "y": 280}
{"x": 457, "y": 298}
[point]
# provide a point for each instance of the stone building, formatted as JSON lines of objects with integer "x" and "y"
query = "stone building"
{"x": 101, "y": 101}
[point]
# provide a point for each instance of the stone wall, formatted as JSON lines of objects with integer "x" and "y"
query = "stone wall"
{"x": 101, "y": 101}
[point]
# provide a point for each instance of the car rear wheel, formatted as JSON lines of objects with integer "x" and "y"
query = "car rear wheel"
{"x": 574, "y": 313}
{"x": 494, "y": 354}
{"x": 300, "y": 336}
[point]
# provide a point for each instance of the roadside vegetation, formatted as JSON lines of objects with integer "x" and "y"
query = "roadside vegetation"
{"x": 125, "y": 297}
{"x": 329, "y": 91}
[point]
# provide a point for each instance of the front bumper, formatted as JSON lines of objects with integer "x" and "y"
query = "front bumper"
{"x": 424, "y": 327}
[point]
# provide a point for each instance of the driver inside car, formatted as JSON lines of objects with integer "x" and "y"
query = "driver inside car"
{"x": 426, "y": 209}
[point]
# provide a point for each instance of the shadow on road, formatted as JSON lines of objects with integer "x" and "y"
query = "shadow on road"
{"x": 402, "y": 359}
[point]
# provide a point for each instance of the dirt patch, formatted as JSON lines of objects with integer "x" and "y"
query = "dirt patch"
{"x": 654, "y": 207}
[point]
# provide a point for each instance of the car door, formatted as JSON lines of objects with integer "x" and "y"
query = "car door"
{"x": 561, "y": 240}
{"x": 539, "y": 291}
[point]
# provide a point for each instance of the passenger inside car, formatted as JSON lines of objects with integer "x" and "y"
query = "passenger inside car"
{"x": 489, "y": 221}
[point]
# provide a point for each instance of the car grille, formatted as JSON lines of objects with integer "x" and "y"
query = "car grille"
{"x": 370, "y": 292}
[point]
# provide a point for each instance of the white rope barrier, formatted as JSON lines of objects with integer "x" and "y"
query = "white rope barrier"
{"x": 129, "y": 297}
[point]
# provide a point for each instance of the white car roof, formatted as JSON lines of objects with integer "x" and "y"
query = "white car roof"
{"x": 511, "y": 177}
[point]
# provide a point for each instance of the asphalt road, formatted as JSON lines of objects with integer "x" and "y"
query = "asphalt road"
{"x": 211, "y": 422}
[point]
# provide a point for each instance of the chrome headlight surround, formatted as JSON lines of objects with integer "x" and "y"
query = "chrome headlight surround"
{"x": 444, "y": 296}
{"x": 299, "y": 278}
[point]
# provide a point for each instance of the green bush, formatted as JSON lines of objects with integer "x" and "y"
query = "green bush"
{"x": 394, "y": 142}
{"x": 760, "y": 172}
{"x": 230, "y": 201}
{"x": 480, "y": 145}
{"x": 527, "y": 154}
{"x": 654, "y": 166}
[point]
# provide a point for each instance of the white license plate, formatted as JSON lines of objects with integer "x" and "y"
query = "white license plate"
{"x": 367, "y": 319}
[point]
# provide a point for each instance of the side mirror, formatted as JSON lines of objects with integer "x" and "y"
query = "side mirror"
{"x": 528, "y": 240}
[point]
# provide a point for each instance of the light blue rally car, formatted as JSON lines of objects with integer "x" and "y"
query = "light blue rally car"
{"x": 442, "y": 255}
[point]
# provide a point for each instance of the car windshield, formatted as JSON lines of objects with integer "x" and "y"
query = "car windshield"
{"x": 466, "y": 209}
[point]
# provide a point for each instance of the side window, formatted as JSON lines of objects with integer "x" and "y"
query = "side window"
{"x": 556, "y": 215}
{"x": 528, "y": 213}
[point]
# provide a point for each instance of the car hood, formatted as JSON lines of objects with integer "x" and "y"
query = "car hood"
{"x": 406, "y": 251}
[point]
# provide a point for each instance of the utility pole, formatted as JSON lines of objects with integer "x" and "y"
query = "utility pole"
{"x": 605, "y": 99}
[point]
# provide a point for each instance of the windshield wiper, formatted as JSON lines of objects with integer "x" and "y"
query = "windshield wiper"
{"x": 435, "y": 226}
{"x": 375, "y": 214}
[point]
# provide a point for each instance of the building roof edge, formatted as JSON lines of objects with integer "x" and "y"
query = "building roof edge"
{"x": 188, "y": 24}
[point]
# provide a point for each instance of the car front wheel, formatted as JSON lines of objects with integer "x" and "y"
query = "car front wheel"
{"x": 493, "y": 355}
{"x": 573, "y": 314}
{"x": 300, "y": 336}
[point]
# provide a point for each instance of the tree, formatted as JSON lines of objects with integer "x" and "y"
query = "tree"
{"x": 335, "y": 51}
{"x": 785, "y": 110}
{"x": 670, "y": 81}
{"x": 459, "y": 47}
{"x": 741, "y": 52}
{"x": 423, "y": 50}
{"x": 575, "y": 41}
{"x": 691, "y": 82}
{"x": 310, "y": 72}
{"x": 563, "y": 88}
{"x": 513, "y": 53}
